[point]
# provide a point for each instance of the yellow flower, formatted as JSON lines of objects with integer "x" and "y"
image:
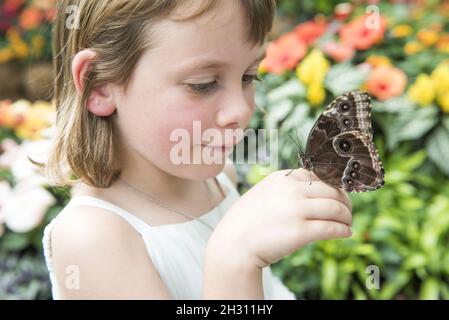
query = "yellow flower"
{"x": 13, "y": 35}
{"x": 402, "y": 30}
{"x": 427, "y": 37}
{"x": 20, "y": 49}
{"x": 262, "y": 70}
{"x": 443, "y": 101}
{"x": 313, "y": 68}
{"x": 38, "y": 117}
{"x": 443, "y": 47}
{"x": 6, "y": 54}
{"x": 412, "y": 47}
{"x": 376, "y": 61}
{"x": 423, "y": 90}
{"x": 37, "y": 45}
{"x": 316, "y": 94}
{"x": 440, "y": 77}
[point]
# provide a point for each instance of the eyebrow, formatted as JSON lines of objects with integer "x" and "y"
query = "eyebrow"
{"x": 215, "y": 64}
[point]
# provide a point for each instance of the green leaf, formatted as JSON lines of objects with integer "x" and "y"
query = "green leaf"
{"x": 429, "y": 289}
{"x": 412, "y": 162}
{"x": 409, "y": 124}
{"x": 414, "y": 124}
{"x": 12, "y": 241}
{"x": 395, "y": 285}
{"x": 393, "y": 105}
{"x": 277, "y": 113}
{"x": 297, "y": 118}
{"x": 436, "y": 146}
{"x": 415, "y": 261}
{"x": 329, "y": 280}
{"x": 291, "y": 88}
{"x": 344, "y": 77}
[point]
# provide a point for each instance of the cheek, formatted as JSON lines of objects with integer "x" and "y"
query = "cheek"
{"x": 162, "y": 122}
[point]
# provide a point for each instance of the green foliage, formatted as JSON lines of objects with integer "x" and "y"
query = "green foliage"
{"x": 402, "y": 229}
{"x": 23, "y": 277}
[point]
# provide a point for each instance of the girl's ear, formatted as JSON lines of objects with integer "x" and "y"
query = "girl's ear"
{"x": 100, "y": 101}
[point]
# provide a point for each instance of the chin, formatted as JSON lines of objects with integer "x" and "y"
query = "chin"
{"x": 203, "y": 171}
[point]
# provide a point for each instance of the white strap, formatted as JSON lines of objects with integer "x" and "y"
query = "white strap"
{"x": 223, "y": 178}
{"x": 135, "y": 222}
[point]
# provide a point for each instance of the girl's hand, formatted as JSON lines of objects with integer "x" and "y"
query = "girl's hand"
{"x": 279, "y": 215}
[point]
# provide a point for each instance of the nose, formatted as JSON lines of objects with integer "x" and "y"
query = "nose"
{"x": 236, "y": 109}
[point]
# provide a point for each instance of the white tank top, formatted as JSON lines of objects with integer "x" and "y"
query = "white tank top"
{"x": 176, "y": 250}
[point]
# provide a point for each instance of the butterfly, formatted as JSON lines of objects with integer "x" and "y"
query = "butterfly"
{"x": 340, "y": 148}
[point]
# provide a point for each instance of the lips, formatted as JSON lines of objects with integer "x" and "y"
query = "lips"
{"x": 224, "y": 146}
{"x": 224, "y": 150}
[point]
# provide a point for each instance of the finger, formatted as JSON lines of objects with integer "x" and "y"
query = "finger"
{"x": 327, "y": 209}
{"x": 326, "y": 230}
{"x": 319, "y": 189}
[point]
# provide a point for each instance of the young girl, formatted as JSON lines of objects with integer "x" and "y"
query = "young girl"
{"x": 139, "y": 225}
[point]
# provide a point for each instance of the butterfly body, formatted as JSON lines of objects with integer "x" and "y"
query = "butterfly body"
{"x": 340, "y": 148}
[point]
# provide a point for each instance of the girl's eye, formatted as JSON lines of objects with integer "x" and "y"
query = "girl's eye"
{"x": 204, "y": 88}
{"x": 249, "y": 78}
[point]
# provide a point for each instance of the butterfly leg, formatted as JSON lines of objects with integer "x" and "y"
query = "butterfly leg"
{"x": 310, "y": 178}
{"x": 292, "y": 170}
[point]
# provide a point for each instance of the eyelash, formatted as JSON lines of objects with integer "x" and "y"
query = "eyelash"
{"x": 204, "y": 88}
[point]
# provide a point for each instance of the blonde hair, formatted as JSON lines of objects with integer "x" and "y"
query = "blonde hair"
{"x": 118, "y": 31}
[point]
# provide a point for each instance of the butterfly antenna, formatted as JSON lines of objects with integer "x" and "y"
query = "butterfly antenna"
{"x": 296, "y": 142}
{"x": 297, "y": 136}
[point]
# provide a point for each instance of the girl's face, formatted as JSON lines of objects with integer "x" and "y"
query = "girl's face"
{"x": 201, "y": 70}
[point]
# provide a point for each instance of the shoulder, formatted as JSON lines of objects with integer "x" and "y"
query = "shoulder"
{"x": 97, "y": 254}
{"x": 229, "y": 170}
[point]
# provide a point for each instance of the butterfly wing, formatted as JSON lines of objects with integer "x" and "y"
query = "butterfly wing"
{"x": 351, "y": 111}
{"x": 341, "y": 148}
{"x": 349, "y": 161}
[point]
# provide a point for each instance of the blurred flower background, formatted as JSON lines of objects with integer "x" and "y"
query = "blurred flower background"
{"x": 397, "y": 51}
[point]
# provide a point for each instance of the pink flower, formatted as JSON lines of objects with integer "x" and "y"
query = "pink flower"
{"x": 26, "y": 209}
{"x": 360, "y": 35}
{"x": 338, "y": 51}
{"x": 309, "y": 31}
{"x": 385, "y": 82}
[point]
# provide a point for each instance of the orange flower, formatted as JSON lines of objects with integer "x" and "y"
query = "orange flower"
{"x": 427, "y": 37}
{"x": 385, "y": 82}
{"x": 12, "y": 114}
{"x": 376, "y": 61}
{"x": 30, "y": 18}
{"x": 360, "y": 34}
{"x": 284, "y": 54}
{"x": 338, "y": 51}
{"x": 413, "y": 47}
{"x": 443, "y": 43}
{"x": 309, "y": 31}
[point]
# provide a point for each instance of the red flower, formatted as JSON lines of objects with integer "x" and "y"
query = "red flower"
{"x": 11, "y": 7}
{"x": 284, "y": 53}
{"x": 5, "y": 24}
{"x": 309, "y": 31}
{"x": 363, "y": 32}
{"x": 30, "y": 18}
